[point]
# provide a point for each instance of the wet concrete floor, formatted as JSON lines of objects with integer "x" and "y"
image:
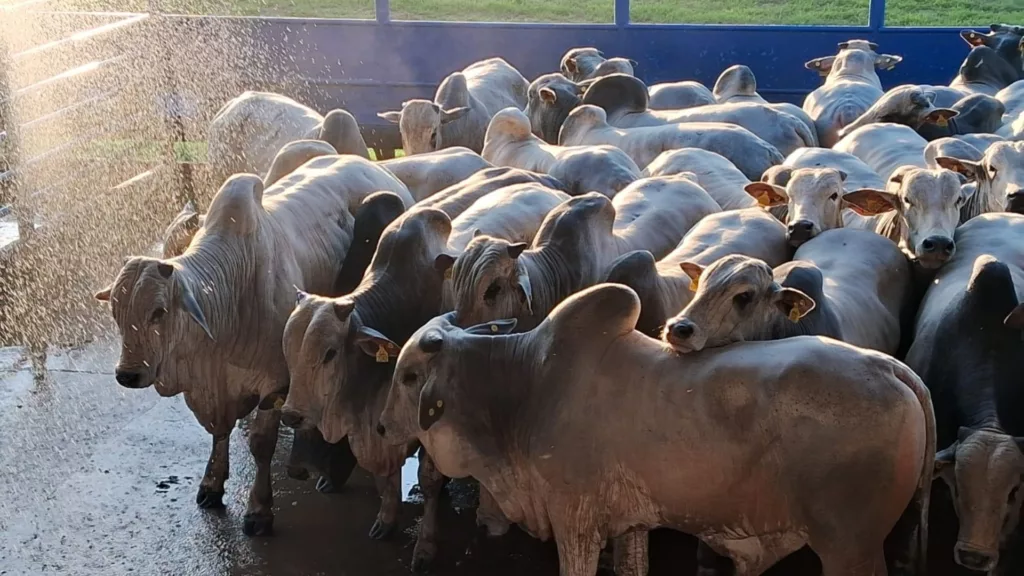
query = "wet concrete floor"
{"x": 96, "y": 479}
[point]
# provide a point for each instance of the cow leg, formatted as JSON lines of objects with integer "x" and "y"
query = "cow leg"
{"x": 390, "y": 490}
{"x": 211, "y": 488}
{"x": 431, "y": 483}
{"x": 259, "y": 516}
{"x": 579, "y": 550}
{"x": 489, "y": 514}
{"x": 630, "y": 553}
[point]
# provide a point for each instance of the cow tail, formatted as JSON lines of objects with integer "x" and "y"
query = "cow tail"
{"x": 924, "y": 487}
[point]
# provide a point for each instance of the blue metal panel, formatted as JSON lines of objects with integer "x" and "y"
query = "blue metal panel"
{"x": 376, "y": 65}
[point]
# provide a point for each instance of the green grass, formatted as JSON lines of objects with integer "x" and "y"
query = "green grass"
{"x": 900, "y": 12}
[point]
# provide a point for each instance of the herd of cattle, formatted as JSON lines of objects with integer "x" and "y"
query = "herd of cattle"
{"x": 622, "y": 307}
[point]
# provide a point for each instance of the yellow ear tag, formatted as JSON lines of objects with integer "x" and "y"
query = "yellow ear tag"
{"x": 494, "y": 327}
{"x": 693, "y": 284}
{"x": 440, "y": 403}
{"x": 942, "y": 122}
{"x": 431, "y": 411}
{"x": 763, "y": 199}
{"x": 278, "y": 403}
{"x": 448, "y": 274}
{"x": 382, "y": 354}
{"x": 794, "y": 314}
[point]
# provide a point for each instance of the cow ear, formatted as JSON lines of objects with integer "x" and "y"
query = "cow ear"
{"x": 945, "y": 462}
{"x": 392, "y": 116}
{"x": 1015, "y": 319}
{"x": 525, "y": 291}
{"x": 274, "y": 400}
{"x": 972, "y": 170}
{"x": 793, "y": 303}
{"x": 973, "y": 38}
{"x": 191, "y": 306}
{"x": 548, "y": 96}
{"x": 843, "y": 175}
{"x": 453, "y": 114}
{"x": 431, "y": 407}
{"x": 343, "y": 309}
{"x": 887, "y": 61}
{"x": 767, "y": 195}
{"x": 443, "y": 263}
{"x": 103, "y": 295}
{"x": 844, "y": 45}
{"x": 940, "y": 117}
{"x": 821, "y": 65}
{"x": 570, "y": 65}
{"x": 693, "y": 271}
{"x": 375, "y": 344}
{"x": 493, "y": 328}
{"x": 515, "y": 250}
{"x": 868, "y": 202}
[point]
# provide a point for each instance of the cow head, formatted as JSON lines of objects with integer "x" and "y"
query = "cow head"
{"x": 984, "y": 470}
{"x": 855, "y": 58}
{"x": 579, "y": 63}
{"x": 420, "y": 122}
{"x": 180, "y": 231}
{"x": 424, "y": 393}
{"x": 156, "y": 310}
{"x": 735, "y": 299}
{"x": 907, "y": 105}
{"x": 814, "y": 198}
{"x": 999, "y": 174}
{"x": 550, "y": 98}
{"x": 490, "y": 282}
{"x": 927, "y": 205}
{"x": 328, "y": 348}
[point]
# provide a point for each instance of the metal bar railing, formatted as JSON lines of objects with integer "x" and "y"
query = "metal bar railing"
{"x": 876, "y": 15}
{"x": 383, "y": 10}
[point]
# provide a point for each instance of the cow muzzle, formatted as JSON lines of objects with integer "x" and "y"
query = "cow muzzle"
{"x": 130, "y": 379}
{"x": 800, "y": 232}
{"x": 973, "y": 559}
{"x": 293, "y": 419}
{"x": 684, "y": 336}
{"x": 935, "y": 251}
{"x": 1015, "y": 202}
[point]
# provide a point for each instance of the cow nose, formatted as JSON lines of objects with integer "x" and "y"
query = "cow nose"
{"x": 800, "y": 232}
{"x": 974, "y": 560}
{"x": 938, "y": 245}
{"x": 127, "y": 379}
{"x": 682, "y": 329}
{"x": 291, "y": 418}
{"x": 381, "y": 429}
{"x": 1015, "y": 202}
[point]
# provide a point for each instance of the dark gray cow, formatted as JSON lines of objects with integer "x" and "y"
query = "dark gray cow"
{"x": 969, "y": 351}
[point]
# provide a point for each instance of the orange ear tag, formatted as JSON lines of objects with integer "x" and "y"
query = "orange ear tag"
{"x": 382, "y": 354}
{"x": 278, "y": 403}
{"x": 942, "y": 122}
{"x": 448, "y": 274}
{"x": 794, "y": 314}
{"x": 693, "y": 284}
{"x": 763, "y": 199}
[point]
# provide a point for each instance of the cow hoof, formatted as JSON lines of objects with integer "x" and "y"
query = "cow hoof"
{"x": 381, "y": 530}
{"x": 298, "y": 473}
{"x": 258, "y": 525}
{"x": 209, "y": 499}
{"x": 423, "y": 557}
{"x": 325, "y": 486}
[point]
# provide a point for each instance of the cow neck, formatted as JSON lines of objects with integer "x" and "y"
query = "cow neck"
{"x": 395, "y": 307}
{"x": 555, "y": 271}
{"x": 981, "y": 202}
{"x": 893, "y": 226}
{"x": 221, "y": 276}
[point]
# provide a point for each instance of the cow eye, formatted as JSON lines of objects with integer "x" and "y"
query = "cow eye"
{"x": 492, "y": 292}
{"x": 409, "y": 379}
{"x": 331, "y": 353}
{"x": 433, "y": 139}
{"x": 834, "y": 196}
{"x": 743, "y": 299}
{"x": 158, "y": 314}
{"x": 1013, "y": 494}
{"x": 993, "y": 171}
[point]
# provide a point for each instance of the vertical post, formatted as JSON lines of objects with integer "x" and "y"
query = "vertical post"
{"x": 172, "y": 109}
{"x": 383, "y": 9}
{"x": 876, "y": 15}
{"x": 621, "y": 13}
